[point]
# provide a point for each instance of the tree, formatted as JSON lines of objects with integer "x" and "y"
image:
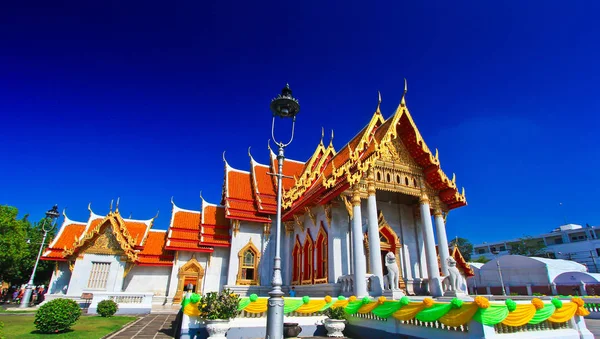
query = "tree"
{"x": 20, "y": 243}
{"x": 482, "y": 259}
{"x": 464, "y": 246}
{"x": 13, "y": 241}
{"x": 528, "y": 246}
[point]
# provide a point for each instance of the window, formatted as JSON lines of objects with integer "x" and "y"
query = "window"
{"x": 308, "y": 259}
{"x": 99, "y": 275}
{"x": 502, "y": 248}
{"x": 249, "y": 257}
{"x": 322, "y": 257}
{"x": 297, "y": 262}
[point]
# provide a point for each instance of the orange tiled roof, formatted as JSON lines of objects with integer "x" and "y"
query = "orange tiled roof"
{"x": 154, "y": 252}
{"x": 265, "y": 195}
{"x": 69, "y": 231}
{"x": 239, "y": 197}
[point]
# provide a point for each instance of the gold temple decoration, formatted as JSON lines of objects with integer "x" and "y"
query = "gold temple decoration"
{"x": 235, "y": 226}
{"x": 386, "y": 154}
{"x": 327, "y": 210}
{"x": 71, "y": 265}
{"x": 356, "y": 195}
{"x": 299, "y": 222}
{"x": 311, "y": 215}
{"x": 110, "y": 231}
{"x": 267, "y": 229}
{"x": 128, "y": 267}
{"x": 348, "y": 205}
{"x": 289, "y": 227}
{"x": 190, "y": 272}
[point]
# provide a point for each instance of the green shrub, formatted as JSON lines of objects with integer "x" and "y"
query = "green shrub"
{"x": 222, "y": 305}
{"x": 335, "y": 313}
{"x": 537, "y": 294}
{"x": 57, "y": 315}
{"x": 514, "y": 293}
{"x": 107, "y": 308}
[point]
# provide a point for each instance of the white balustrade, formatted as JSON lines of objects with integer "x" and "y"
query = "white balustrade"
{"x": 129, "y": 303}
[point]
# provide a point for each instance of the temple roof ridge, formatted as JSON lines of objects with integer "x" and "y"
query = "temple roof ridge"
{"x": 66, "y": 222}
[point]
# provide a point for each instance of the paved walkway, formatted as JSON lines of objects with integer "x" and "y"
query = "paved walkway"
{"x": 156, "y": 326}
{"x": 594, "y": 326}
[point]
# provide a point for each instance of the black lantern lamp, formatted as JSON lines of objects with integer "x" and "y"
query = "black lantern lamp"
{"x": 53, "y": 213}
{"x": 285, "y": 105}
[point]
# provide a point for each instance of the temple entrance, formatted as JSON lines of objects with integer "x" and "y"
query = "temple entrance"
{"x": 388, "y": 242}
{"x": 191, "y": 273}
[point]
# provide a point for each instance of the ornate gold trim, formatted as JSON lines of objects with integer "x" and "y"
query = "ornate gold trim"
{"x": 355, "y": 195}
{"x": 267, "y": 229}
{"x": 289, "y": 227}
{"x": 191, "y": 269}
{"x": 128, "y": 267}
{"x": 299, "y": 222}
{"x": 348, "y": 206}
{"x": 235, "y": 227}
{"x": 311, "y": 215}
{"x": 327, "y": 210}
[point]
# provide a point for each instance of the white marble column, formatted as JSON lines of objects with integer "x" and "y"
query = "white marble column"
{"x": 442, "y": 240}
{"x": 374, "y": 246}
{"x": 360, "y": 265}
{"x": 433, "y": 271}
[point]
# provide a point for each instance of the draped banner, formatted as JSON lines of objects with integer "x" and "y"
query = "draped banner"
{"x": 454, "y": 313}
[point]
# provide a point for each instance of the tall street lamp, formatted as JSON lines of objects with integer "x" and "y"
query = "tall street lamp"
{"x": 284, "y": 106}
{"x": 51, "y": 214}
{"x": 495, "y": 253}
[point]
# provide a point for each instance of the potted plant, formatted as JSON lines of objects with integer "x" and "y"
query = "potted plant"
{"x": 217, "y": 309}
{"x": 335, "y": 322}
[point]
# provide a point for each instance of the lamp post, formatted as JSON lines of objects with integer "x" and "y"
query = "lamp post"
{"x": 52, "y": 214}
{"x": 495, "y": 253}
{"x": 284, "y": 106}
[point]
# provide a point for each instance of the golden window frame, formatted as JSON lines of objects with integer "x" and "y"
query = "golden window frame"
{"x": 240, "y": 279}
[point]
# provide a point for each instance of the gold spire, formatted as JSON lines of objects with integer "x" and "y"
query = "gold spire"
{"x": 117, "y": 205}
{"x": 111, "y": 203}
{"x": 322, "y": 135}
{"x": 331, "y": 140}
{"x": 378, "y": 102}
{"x": 403, "y": 101}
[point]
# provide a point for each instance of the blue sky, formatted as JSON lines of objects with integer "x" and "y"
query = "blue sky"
{"x": 138, "y": 100}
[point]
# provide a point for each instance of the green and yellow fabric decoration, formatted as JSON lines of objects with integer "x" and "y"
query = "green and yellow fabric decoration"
{"x": 454, "y": 313}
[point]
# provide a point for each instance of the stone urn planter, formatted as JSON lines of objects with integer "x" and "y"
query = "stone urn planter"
{"x": 291, "y": 330}
{"x": 335, "y": 327}
{"x": 217, "y": 329}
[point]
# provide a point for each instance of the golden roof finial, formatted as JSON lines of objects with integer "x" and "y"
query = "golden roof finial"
{"x": 403, "y": 101}
{"x": 437, "y": 155}
{"x": 463, "y": 192}
{"x": 322, "y": 135}
{"x": 117, "y": 206}
{"x": 331, "y": 140}
{"x": 111, "y": 203}
{"x": 378, "y": 102}
{"x": 454, "y": 178}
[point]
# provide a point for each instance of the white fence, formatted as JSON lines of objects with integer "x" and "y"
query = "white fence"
{"x": 129, "y": 303}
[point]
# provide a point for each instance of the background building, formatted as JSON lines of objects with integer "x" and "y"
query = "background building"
{"x": 570, "y": 242}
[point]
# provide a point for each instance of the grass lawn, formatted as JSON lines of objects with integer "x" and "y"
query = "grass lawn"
{"x": 88, "y": 327}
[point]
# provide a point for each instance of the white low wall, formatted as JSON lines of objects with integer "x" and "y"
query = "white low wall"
{"x": 129, "y": 303}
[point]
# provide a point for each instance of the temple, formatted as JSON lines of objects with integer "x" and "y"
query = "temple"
{"x": 366, "y": 219}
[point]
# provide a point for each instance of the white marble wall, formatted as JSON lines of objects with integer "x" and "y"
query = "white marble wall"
{"x": 215, "y": 274}
{"x": 83, "y": 268}
{"x": 60, "y": 279}
{"x": 149, "y": 279}
{"x": 247, "y": 231}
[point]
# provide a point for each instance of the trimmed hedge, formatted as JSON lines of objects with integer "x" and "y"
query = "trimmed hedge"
{"x": 107, "y": 308}
{"x": 57, "y": 316}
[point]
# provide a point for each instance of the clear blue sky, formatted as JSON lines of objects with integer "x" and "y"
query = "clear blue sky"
{"x": 139, "y": 99}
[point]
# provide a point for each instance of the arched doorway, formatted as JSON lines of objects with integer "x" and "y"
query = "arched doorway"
{"x": 190, "y": 273}
{"x": 388, "y": 242}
